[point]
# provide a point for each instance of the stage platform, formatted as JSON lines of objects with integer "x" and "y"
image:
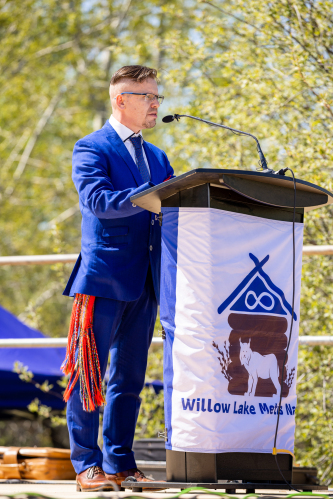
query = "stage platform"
{"x": 66, "y": 489}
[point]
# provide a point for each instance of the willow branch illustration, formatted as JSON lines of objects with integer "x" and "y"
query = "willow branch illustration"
{"x": 224, "y": 359}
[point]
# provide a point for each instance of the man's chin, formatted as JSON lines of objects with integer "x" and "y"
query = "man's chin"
{"x": 150, "y": 123}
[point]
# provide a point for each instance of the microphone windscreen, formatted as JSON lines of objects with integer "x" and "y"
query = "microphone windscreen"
{"x": 168, "y": 119}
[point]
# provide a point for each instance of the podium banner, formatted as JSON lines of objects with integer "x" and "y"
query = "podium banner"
{"x": 226, "y": 304}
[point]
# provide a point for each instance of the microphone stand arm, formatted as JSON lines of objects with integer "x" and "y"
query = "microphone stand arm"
{"x": 262, "y": 159}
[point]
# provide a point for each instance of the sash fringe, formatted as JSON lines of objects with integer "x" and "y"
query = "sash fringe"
{"x": 86, "y": 368}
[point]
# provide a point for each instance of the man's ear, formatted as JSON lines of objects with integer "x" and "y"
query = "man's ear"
{"x": 120, "y": 101}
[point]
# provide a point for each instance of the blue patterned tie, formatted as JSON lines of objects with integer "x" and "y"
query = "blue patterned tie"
{"x": 140, "y": 161}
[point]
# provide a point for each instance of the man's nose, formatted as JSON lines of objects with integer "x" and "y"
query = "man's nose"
{"x": 155, "y": 103}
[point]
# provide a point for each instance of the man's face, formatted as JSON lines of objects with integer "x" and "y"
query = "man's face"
{"x": 135, "y": 110}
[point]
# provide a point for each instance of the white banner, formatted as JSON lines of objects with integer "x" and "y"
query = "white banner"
{"x": 226, "y": 295}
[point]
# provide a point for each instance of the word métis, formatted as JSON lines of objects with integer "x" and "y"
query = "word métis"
{"x": 206, "y": 405}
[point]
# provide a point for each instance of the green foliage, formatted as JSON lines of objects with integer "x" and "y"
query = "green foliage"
{"x": 35, "y": 406}
{"x": 56, "y": 62}
{"x": 23, "y": 372}
{"x": 151, "y": 416}
{"x": 25, "y": 432}
{"x": 27, "y": 376}
{"x": 314, "y": 428}
{"x": 42, "y": 410}
{"x": 266, "y": 68}
{"x": 263, "y": 67}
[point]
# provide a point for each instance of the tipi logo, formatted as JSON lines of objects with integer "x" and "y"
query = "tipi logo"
{"x": 252, "y": 359}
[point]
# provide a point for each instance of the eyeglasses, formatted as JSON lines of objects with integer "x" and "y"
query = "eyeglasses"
{"x": 148, "y": 97}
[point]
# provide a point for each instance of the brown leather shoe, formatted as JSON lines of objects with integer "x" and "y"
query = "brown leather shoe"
{"x": 92, "y": 480}
{"x": 118, "y": 478}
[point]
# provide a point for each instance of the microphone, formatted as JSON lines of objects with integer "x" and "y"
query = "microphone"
{"x": 168, "y": 119}
{"x": 262, "y": 159}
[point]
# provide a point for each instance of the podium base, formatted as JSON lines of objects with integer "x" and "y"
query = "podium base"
{"x": 231, "y": 487}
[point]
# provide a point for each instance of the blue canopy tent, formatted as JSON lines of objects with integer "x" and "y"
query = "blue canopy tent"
{"x": 44, "y": 363}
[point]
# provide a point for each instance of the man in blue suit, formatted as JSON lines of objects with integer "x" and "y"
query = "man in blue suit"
{"x": 119, "y": 267}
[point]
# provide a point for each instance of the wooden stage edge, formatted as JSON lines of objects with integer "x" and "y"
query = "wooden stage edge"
{"x": 228, "y": 486}
{"x": 66, "y": 489}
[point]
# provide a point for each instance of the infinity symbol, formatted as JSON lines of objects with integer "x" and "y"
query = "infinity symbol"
{"x": 258, "y": 300}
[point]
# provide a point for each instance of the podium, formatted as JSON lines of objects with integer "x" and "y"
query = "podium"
{"x": 226, "y": 308}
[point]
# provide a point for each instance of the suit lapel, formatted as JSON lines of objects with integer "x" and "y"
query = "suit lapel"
{"x": 153, "y": 163}
{"x": 120, "y": 148}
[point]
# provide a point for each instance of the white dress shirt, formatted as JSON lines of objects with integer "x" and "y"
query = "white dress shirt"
{"x": 124, "y": 133}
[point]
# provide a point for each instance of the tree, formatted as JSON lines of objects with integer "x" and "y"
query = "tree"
{"x": 57, "y": 60}
{"x": 266, "y": 68}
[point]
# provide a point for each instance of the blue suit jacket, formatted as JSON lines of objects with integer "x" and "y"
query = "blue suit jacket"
{"x": 118, "y": 240}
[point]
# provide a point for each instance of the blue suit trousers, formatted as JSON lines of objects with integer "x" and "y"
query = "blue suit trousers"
{"x": 124, "y": 329}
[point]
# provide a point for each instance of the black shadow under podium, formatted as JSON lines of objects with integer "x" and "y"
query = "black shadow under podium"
{"x": 258, "y": 194}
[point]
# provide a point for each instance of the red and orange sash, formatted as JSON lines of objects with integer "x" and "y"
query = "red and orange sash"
{"x": 86, "y": 368}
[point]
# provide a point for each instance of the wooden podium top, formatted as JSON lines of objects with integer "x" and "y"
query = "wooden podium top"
{"x": 266, "y": 188}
